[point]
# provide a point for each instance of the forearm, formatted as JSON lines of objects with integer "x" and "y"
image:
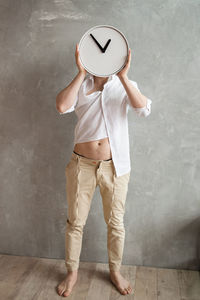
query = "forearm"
{"x": 66, "y": 97}
{"x": 136, "y": 98}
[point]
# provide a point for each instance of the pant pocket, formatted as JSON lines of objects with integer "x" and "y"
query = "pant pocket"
{"x": 71, "y": 163}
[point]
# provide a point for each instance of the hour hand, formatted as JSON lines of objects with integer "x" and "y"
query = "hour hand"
{"x": 102, "y": 50}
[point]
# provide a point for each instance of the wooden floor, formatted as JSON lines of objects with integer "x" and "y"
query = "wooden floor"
{"x": 37, "y": 278}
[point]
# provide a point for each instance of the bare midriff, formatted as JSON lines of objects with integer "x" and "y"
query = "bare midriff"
{"x": 99, "y": 149}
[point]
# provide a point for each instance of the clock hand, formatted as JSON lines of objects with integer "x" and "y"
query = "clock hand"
{"x": 106, "y": 46}
{"x": 97, "y": 42}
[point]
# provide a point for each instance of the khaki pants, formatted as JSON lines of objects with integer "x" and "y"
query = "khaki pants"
{"x": 82, "y": 176}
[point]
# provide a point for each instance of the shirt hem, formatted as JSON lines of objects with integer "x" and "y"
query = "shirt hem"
{"x": 90, "y": 140}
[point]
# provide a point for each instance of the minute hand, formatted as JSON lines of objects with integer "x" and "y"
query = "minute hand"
{"x": 102, "y": 50}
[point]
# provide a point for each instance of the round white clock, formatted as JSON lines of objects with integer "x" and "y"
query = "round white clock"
{"x": 103, "y": 50}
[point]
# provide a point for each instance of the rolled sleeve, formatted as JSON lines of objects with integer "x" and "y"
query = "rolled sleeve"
{"x": 72, "y": 108}
{"x": 144, "y": 111}
{"x": 140, "y": 111}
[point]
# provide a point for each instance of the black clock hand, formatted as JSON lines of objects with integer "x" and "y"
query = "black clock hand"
{"x": 106, "y": 46}
{"x": 97, "y": 42}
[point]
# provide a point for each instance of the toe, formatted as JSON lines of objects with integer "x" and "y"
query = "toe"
{"x": 124, "y": 291}
{"x": 128, "y": 291}
{"x": 67, "y": 292}
{"x": 60, "y": 290}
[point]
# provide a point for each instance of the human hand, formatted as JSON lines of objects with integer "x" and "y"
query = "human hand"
{"x": 124, "y": 71}
{"x": 78, "y": 62}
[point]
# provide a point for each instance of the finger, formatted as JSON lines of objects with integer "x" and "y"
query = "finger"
{"x": 129, "y": 61}
{"x": 77, "y": 50}
{"x": 129, "y": 54}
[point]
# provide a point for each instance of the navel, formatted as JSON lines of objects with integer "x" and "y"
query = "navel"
{"x": 99, "y": 143}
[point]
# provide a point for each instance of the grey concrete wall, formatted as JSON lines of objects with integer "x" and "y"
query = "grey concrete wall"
{"x": 162, "y": 217}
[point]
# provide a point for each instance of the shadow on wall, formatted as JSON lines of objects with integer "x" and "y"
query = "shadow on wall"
{"x": 166, "y": 251}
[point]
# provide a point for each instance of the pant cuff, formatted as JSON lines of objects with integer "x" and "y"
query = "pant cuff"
{"x": 71, "y": 268}
{"x": 114, "y": 268}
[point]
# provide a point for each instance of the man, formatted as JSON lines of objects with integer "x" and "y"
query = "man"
{"x": 100, "y": 157}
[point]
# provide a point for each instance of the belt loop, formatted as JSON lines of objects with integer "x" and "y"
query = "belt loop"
{"x": 78, "y": 157}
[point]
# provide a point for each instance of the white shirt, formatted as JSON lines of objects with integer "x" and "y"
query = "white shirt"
{"x": 104, "y": 114}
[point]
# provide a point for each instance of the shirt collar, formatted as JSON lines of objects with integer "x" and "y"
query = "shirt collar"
{"x": 110, "y": 78}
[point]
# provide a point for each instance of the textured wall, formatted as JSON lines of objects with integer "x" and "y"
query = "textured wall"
{"x": 37, "y": 60}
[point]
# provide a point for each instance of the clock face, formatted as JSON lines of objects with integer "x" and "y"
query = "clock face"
{"x": 103, "y": 50}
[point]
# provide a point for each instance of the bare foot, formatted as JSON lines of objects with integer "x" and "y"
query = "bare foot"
{"x": 120, "y": 282}
{"x": 66, "y": 286}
